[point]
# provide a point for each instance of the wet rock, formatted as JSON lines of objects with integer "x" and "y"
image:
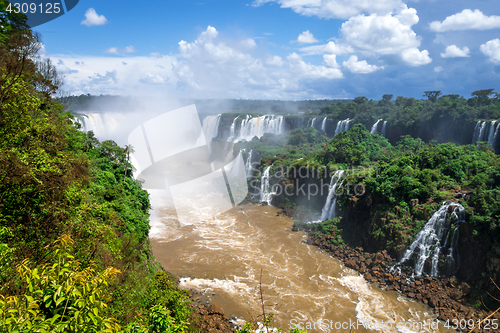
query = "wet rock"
{"x": 214, "y": 309}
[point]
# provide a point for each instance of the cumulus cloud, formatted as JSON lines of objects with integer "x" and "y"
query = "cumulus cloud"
{"x": 109, "y": 75}
{"x": 108, "y": 78}
{"x": 331, "y": 60}
{"x": 151, "y": 78}
{"x": 340, "y": 9}
{"x": 92, "y": 18}
{"x": 308, "y": 71}
{"x": 306, "y": 38}
{"x": 356, "y": 66}
{"x": 491, "y": 49}
{"x": 386, "y": 34}
{"x": 115, "y": 50}
{"x": 273, "y": 61}
{"x": 415, "y": 57}
{"x": 329, "y": 48}
{"x": 438, "y": 69}
{"x": 467, "y": 20}
{"x": 453, "y": 51}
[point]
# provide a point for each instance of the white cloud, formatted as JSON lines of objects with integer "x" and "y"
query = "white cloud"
{"x": 467, "y": 20}
{"x": 356, "y": 66}
{"x": 248, "y": 43}
{"x": 491, "y": 49}
{"x": 92, "y": 18}
{"x": 306, "y": 38}
{"x": 438, "y": 69}
{"x": 453, "y": 51}
{"x": 115, "y": 50}
{"x": 207, "y": 67}
{"x": 415, "y": 57}
{"x": 331, "y": 60}
{"x": 308, "y": 71}
{"x": 329, "y": 48}
{"x": 150, "y": 78}
{"x": 387, "y": 34}
{"x": 340, "y": 9}
{"x": 274, "y": 61}
{"x": 108, "y": 75}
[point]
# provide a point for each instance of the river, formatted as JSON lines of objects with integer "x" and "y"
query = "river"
{"x": 302, "y": 285}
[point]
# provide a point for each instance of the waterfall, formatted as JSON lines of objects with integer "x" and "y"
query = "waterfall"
{"x": 256, "y": 127}
{"x": 232, "y": 130}
{"x": 313, "y": 121}
{"x": 342, "y": 125}
{"x": 491, "y": 135}
{"x": 375, "y": 126}
{"x": 475, "y": 135}
{"x": 482, "y": 131}
{"x": 495, "y": 138}
{"x": 323, "y": 125}
{"x": 94, "y": 122}
{"x": 328, "y": 211}
{"x": 106, "y": 126}
{"x": 211, "y": 127}
{"x": 384, "y": 129}
{"x": 426, "y": 249}
{"x": 248, "y": 165}
{"x": 265, "y": 189}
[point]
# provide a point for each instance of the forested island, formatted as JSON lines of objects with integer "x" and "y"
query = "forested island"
{"x": 74, "y": 249}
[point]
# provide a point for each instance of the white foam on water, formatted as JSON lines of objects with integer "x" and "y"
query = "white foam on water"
{"x": 211, "y": 285}
{"x": 377, "y": 313}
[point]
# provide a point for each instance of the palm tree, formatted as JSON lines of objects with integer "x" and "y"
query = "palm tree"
{"x": 128, "y": 150}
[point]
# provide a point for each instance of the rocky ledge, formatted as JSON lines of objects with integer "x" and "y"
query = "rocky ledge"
{"x": 447, "y": 296}
{"x": 211, "y": 319}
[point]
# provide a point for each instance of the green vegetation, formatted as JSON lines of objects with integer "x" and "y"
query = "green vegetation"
{"x": 404, "y": 184}
{"x": 74, "y": 248}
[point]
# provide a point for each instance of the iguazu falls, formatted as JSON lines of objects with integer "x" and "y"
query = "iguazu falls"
{"x": 249, "y": 167}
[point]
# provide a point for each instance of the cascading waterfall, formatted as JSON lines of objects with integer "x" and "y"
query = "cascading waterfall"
{"x": 94, "y": 122}
{"x": 313, "y": 121}
{"x": 328, "y": 211}
{"x": 495, "y": 138}
{"x": 384, "y": 129}
{"x": 256, "y": 127}
{"x": 211, "y": 127}
{"x": 375, "y": 127}
{"x": 491, "y": 134}
{"x": 482, "y": 131}
{"x": 323, "y": 125}
{"x": 232, "y": 130}
{"x": 342, "y": 125}
{"x": 265, "y": 188}
{"x": 248, "y": 165}
{"x": 429, "y": 248}
{"x": 486, "y": 131}
{"x": 475, "y": 135}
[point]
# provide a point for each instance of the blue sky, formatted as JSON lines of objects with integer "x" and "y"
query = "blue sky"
{"x": 276, "y": 49}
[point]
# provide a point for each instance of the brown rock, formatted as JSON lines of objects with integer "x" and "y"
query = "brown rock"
{"x": 214, "y": 309}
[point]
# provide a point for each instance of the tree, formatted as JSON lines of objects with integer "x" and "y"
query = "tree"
{"x": 360, "y": 100}
{"x": 432, "y": 95}
{"x": 387, "y": 97}
{"x": 482, "y": 97}
{"x": 18, "y": 45}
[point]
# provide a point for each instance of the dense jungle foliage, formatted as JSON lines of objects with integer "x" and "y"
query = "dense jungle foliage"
{"x": 74, "y": 249}
{"x": 406, "y": 182}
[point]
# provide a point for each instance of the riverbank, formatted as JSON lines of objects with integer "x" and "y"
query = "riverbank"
{"x": 449, "y": 298}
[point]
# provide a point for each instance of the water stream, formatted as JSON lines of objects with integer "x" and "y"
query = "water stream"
{"x": 222, "y": 257}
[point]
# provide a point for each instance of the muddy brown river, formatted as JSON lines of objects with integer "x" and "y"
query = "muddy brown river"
{"x": 223, "y": 258}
